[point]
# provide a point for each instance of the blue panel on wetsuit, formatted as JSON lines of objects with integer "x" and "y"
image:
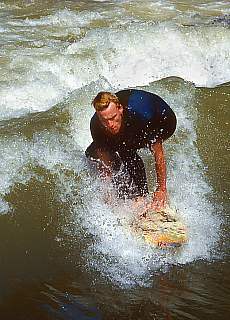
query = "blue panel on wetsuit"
{"x": 141, "y": 103}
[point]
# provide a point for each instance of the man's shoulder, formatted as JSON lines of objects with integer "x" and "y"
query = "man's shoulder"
{"x": 143, "y": 104}
{"x": 125, "y": 94}
{"x": 132, "y": 98}
{"x": 129, "y": 92}
{"x": 94, "y": 118}
{"x": 95, "y": 124}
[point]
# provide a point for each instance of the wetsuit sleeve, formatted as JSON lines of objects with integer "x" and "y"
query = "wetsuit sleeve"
{"x": 163, "y": 124}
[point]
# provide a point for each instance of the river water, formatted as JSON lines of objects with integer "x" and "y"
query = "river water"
{"x": 65, "y": 253}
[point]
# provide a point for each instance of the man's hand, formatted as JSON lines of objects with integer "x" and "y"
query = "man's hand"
{"x": 159, "y": 201}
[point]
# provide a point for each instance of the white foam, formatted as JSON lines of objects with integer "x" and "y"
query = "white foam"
{"x": 47, "y": 150}
{"x": 8, "y": 6}
{"x": 114, "y": 251}
{"x": 20, "y": 100}
{"x": 215, "y": 6}
{"x": 190, "y": 54}
{"x": 127, "y": 54}
{"x": 4, "y": 207}
{"x": 66, "y": 18}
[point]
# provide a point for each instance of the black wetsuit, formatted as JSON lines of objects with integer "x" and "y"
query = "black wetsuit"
{"x": 146, "y": 119}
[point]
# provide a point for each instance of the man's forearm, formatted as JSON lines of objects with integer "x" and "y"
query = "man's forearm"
{"x": 160, "y": 164}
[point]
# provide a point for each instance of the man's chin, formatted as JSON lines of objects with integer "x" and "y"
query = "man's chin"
{"x": 114, "y": 132}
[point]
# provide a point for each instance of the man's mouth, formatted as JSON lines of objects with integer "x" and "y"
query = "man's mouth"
{"x": 113, "y": 130}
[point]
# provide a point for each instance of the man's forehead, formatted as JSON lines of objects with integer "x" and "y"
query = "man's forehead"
{"x": 110, "y": 111}
{"x": 107, "y": 114}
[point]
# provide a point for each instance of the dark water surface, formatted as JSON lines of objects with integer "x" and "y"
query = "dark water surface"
{"x": 64, "y": 253}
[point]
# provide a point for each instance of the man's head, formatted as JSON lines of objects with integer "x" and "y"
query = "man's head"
{"x": 109, "y": 111}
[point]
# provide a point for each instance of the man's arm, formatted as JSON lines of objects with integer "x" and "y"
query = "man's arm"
{"x": 160, "y": 195}
{"x": 98, "y": 148}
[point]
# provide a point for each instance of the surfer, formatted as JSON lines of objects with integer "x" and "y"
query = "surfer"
{"x": 123, "y": 123}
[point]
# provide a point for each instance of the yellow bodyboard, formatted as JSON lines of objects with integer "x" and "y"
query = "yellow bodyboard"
{"x": 161, "y": 229}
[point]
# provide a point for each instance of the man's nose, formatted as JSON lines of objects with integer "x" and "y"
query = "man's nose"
{"x": 110, "y": 123}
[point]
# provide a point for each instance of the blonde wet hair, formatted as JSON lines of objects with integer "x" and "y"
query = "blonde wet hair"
{"x": 103, "y": 99}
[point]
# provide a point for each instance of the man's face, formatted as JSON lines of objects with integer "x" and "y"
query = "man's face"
{"x": 111, "y": 117}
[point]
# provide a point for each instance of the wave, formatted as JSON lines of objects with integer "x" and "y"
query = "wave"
{"x": 35, "y": 144}
{"x": 43, "y": 65}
